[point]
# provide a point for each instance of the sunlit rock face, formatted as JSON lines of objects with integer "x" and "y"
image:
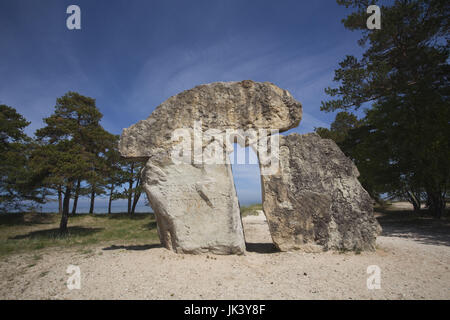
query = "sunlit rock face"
{"x": 195, "y": 204}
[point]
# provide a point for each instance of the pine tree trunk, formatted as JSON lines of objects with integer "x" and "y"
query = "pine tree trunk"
{"x": 59, "y": 200}
{"x": 65, "y": 211}
{"x": 135, "y": 201}
{"x": 91, "y": 207}
{"x": 437, "y": 204}
{"x": 130, "y": 193}
{"x": 130, "y": 188}
{"x": 75, "y": 200}
{"x": 110, "y": 198}
{"x": 416, "y": 206}
{"x": 137, "y": 194}
{"x": 415, "y": 200}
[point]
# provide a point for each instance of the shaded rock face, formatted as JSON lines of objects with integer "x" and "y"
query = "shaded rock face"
{"x": 315, "y": 201}
{"x": 195, "y": 204}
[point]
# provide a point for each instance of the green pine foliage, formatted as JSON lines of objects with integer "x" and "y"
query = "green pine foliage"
{"x": 401, "y": 146}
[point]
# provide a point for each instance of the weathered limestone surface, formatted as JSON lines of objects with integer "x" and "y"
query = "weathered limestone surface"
{"x": 315, "y": 201}
{"x": 219, "y": 105}
{"x": 196, "y": 206}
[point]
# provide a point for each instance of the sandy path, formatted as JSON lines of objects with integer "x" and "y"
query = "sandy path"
{"x": 410, "y": 269}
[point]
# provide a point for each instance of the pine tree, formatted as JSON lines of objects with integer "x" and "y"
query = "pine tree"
{"x": 16, "y": 185}
{"x": 67, "y": 146}
{"x": 404, "y": 74}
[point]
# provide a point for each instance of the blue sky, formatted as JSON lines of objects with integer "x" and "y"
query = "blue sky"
{"x": 132, "y": 55}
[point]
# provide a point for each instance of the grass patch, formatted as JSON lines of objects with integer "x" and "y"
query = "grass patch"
{"x": 27, "y": 232}
{"x": 250, "y": 210}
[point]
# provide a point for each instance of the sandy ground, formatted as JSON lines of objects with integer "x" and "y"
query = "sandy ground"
{"x": 413, "y": 265}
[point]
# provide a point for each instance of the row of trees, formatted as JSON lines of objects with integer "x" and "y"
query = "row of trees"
{"x": 402, "y": 144}
{"x": 70, "y": 157}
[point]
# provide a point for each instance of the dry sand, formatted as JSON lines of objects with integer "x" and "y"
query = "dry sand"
{"x": 413, "y": 266}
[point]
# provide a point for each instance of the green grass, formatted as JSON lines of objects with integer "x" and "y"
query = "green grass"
{"x": 250, "y": 210}
{"x": 28, "y": 232}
